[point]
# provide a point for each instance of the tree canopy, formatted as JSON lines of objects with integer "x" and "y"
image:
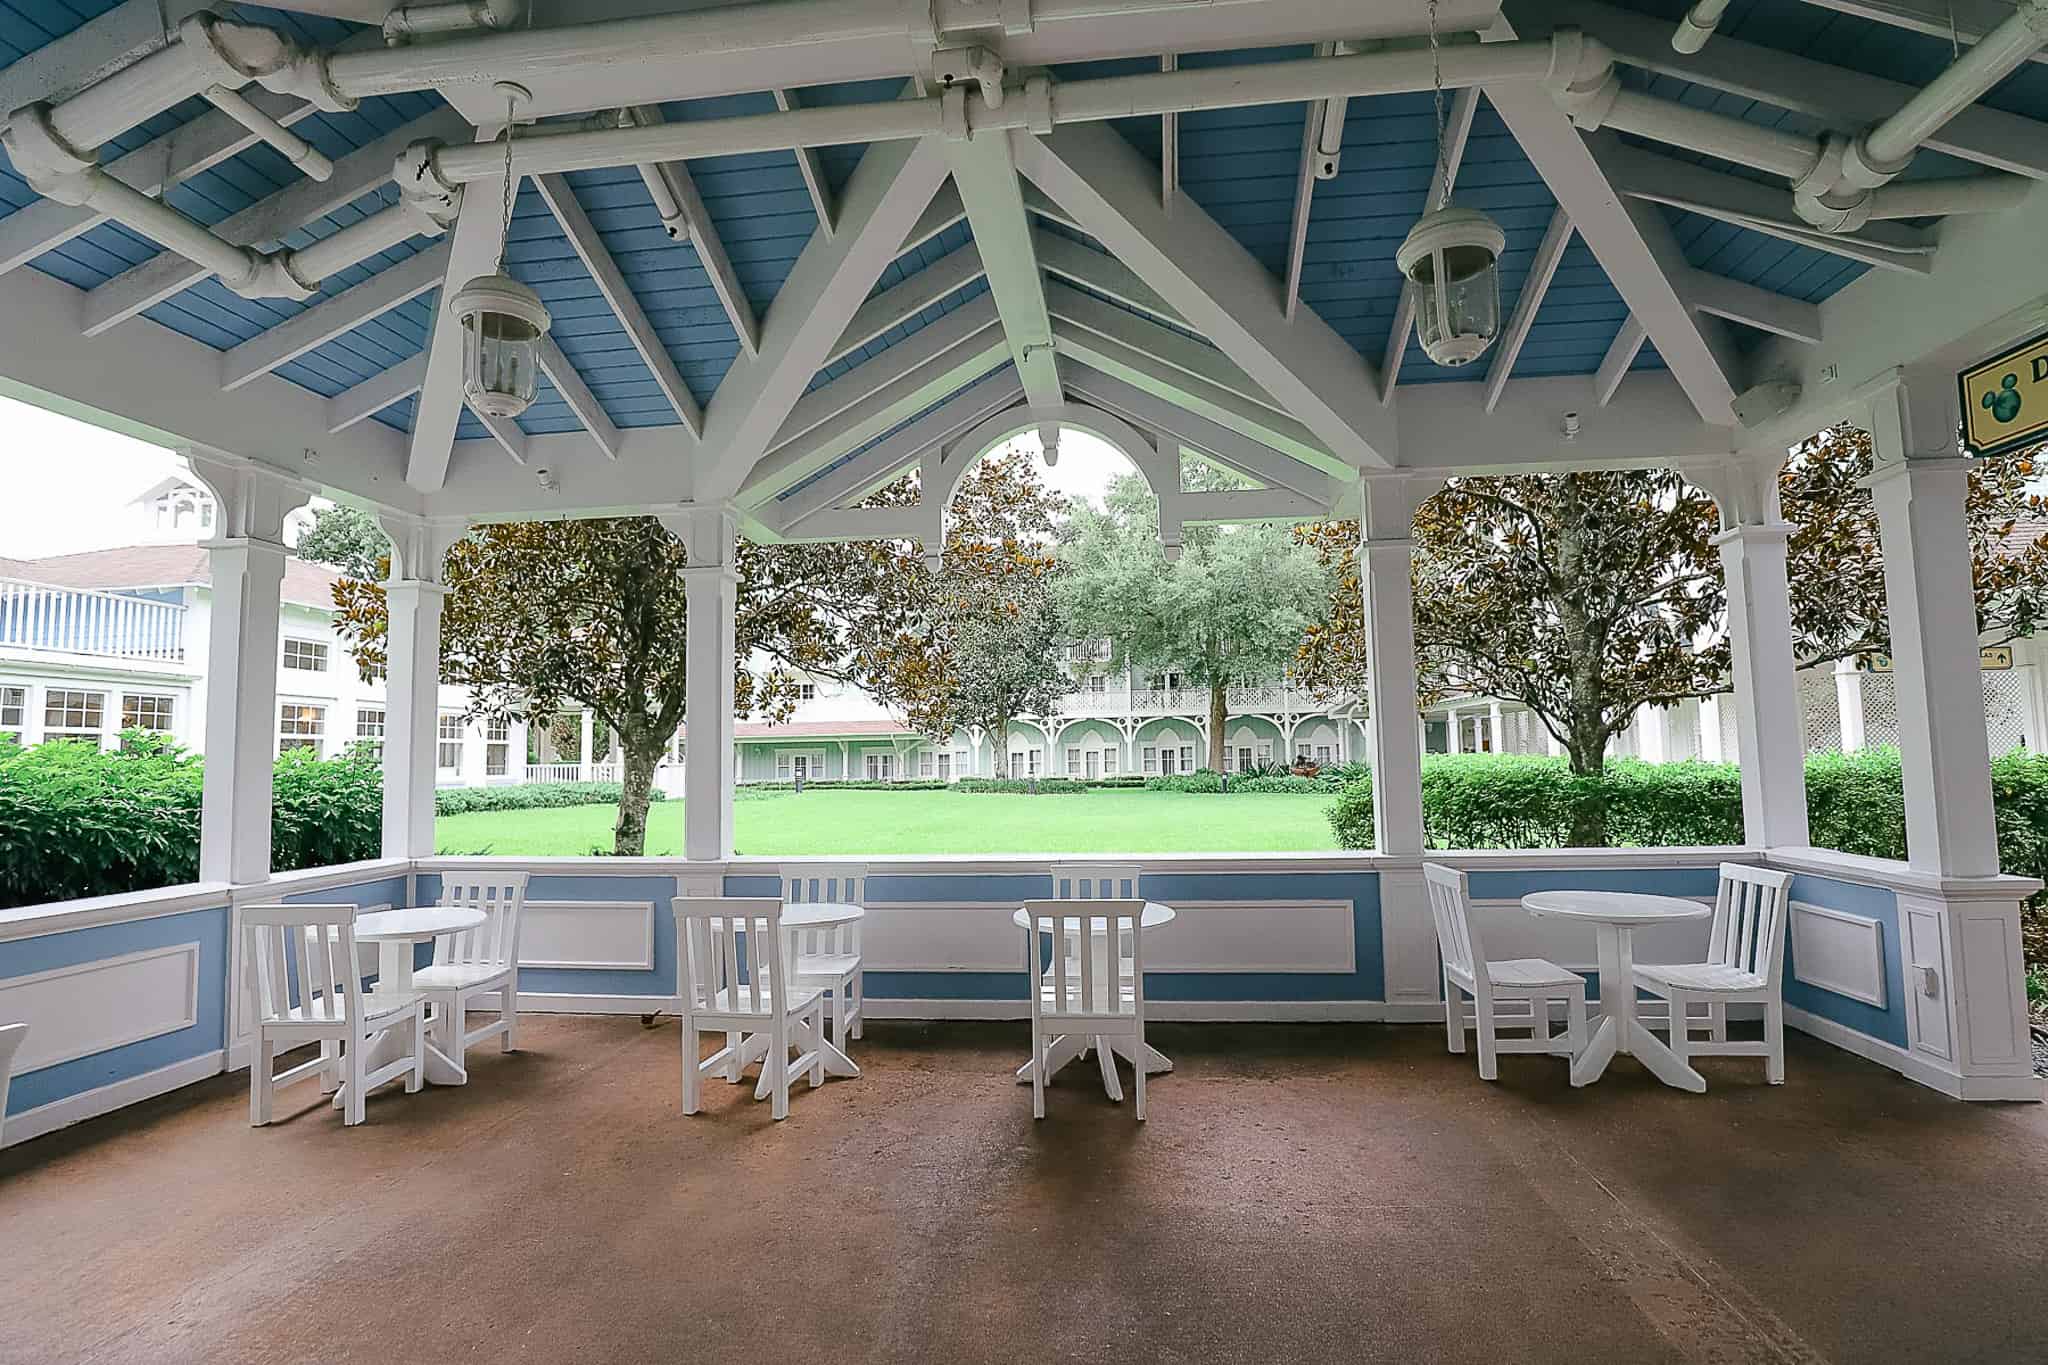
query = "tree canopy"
{"x": 346, "y": 538}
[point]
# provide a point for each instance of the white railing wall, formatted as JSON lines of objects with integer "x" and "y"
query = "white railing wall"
{"x": 83, "y": 621}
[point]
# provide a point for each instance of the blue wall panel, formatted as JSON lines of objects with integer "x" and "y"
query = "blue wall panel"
{"x": 1872, "y": 902}
{"x": 659, "y": 891}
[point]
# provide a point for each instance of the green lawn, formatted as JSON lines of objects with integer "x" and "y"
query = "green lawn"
{"x": 783, "y": 823}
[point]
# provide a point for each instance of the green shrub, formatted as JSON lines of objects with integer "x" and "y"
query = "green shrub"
{"x": 922, "y": 784}
{"x": 1201, "y": 781}
{"x": 1855, "y": 803}
{"x": 1351, "y": 817}
{"x": 535, "y": 796}
{"x": 1026, "y": 786}
{"x": 1284, "y": 785}
{"x": 77, "y": 822}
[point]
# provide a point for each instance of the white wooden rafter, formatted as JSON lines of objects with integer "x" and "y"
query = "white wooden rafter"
{"x": 1457, "y": 132}
{"x": 1217, "y": 285}
{"x": 1549, "y": 254}
{"x": 907, "y": 298}
{"x": 371, "y": 396}
{"x": 145, "y": 285}
{"x": 811, "y": 169}
{"x": 966, "y": 326}
{"x": 985, "y": 173}
{"x": 314, "y": 327}
{"x": 507, "y": 434}
{"x": 1621, "y": 354}
{"x": 1066, "y": 259}
{"x": 1163, "y": 344}
{"x": 888, "y": 193}
{"x": 704, "y": 239}
{"x": 604, "y": 272}
{"x": 1304, "y": 202}
{"x": 1169, "y": 144}
{"x": 568, "y": 382}
{"x": 1753, "y": 307}
{"x": 1212, "y": 440}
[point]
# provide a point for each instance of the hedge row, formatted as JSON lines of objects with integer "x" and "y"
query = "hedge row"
{"x": 78, "y": 822}
{"x": 535, "y": 796}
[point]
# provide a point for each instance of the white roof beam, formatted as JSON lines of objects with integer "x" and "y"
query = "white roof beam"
{"x": 1217, "y": 285}
{"x": 901, "y": 302}
{"x": 344, "y": 312}
{"x": 1649, "y": 421}
{"x": 1549, "y": 253}
{"x": 1163, "y": 344}
{"x": 1304, "y": 200}
{"x": 1212, "y": 440}
{"x": 618, "y": 295}
{"x": 811, "y": 169}
{"x": 376, "y": 393}
{"x": 1633, "y": 244}
{"x": 143, "y": 286}
{"x": 681, "y": 186}
{"x": 985, "y": 172}
{"x": 1621, "y": 353}
{"x": 1457, "y": 132}
{"x": 944, "y": 211}
{"x": 1753, "y": 307}
{"x": 1250, "y": 504}
{"x": 1963, "y": 21}
{"x": 831, "y": 279}
{"x": 864, "y": 523}
{"x": 569, "y": 383}
{"x": 91, "y": 52}
{"x": 902, "y": 449}
{"x": 473, "y": 245}
{"x": 1838, "y": 97}
{"x": 1106, "y": 275}
{"x": 507, "y": 434}
{"x": 1747, "y": 203}
{"x": 963, "y": 325}
{"x": 1169, "y": 144}
{"x": 175, "y": 157}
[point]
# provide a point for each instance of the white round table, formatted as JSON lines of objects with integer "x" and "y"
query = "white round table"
{"x": 1071, "y": 1046}
{"x": 395, "y": 932}
{"x": 1615, "y": 916}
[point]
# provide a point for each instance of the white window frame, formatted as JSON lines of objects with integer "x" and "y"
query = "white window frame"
{"x": 162, "y": 701}
{"x": 296, "y": 737}
{"x": 306, "y": 649}
{"x": 444, "y": 742}
{"x": 926, "y": 763}
{"x": 91, "y": 700}
{"x": 1264, "y": 750}
{"x": 1187, "y": 758}
{"x": 1323, "y": 759}
{"x": 371, "y": 732}
{"x": 878, "y": 767}
{"x": 1150, "y": 754}
{"x": 14, "y": 699}
{"x": 806, "y": 691}
{"x": 787, "y": 759}
{"x": 1110, "y": 761}
{"x": 1073, "y": 760}
{"x": 497, "y": 748}
{"x": 945, "y": 765}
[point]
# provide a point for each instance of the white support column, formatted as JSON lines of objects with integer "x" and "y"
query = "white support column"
{"x": 1918, "y": 488}
{"x": 711, "y": 588}
{"x": 1451, "y": 737}
{"x": 1407, "y": 936}
{"x": 587, "y": 721}
{"x": 1771, "y": 740}
{"x": 246, "y": 562}
{"x": 1710, "y": 731}
{"x": 1653, "y": 734}
{"x": 1494, "y": 741}
{"x": 1849, "y": 704}
{"x": 413, "y": 599}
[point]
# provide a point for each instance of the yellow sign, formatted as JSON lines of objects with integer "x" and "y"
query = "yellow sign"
{"x": 2005, "y": 399}
{"x": 1990, "y": 659}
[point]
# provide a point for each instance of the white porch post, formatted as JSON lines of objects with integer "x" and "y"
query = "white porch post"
{"x": 1849, "y": 704}
{"x": 1653, "y": 734}
{"x": 1451, "y": 737}
{"x": 1407, "y": 936}
{"x": 1710, "y": 730}
{"x": 583, "y": 756}
{"x": 413, "y": 600}
{"x": 246, "y": 562}
{"x": 711, "y": 586}
{"x": 1771, "y": 740}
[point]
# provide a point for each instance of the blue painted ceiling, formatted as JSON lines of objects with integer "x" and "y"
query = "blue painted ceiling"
{"x": 1240, "y": 165}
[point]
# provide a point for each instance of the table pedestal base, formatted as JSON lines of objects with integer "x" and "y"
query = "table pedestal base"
{"x": 1071, "y": 1046}
{"x": 1619, "y": 1030}
{"x": 444, "y": 1031}
{"x": 837, "y": 1063}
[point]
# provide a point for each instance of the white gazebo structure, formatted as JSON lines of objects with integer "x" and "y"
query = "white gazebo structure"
{"x": 790, "y": 250}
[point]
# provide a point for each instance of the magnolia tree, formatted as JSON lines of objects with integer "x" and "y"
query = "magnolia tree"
{"x": 1232, "y": 609}
{"x": 1586, "y": 597}
{"x": 983, "y": 649}
{"x": 544, "y": 614}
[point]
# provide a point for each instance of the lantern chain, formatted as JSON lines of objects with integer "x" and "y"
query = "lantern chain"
{"x": 1443, "y": 152}
{"x": 505, "y": 231}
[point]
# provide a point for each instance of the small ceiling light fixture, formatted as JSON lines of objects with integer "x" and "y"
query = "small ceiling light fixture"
{"x": 502, "y": 320}
{"x": 1452, "y": 256}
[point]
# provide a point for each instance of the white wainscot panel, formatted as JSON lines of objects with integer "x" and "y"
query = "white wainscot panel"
{"x": 1507, "y": 931}
{"x": 1205, "y": 936}
{"x": 941, "y": 936}
{"x": 75, "y": 1011}
{"x": 1838, "y": 952}
{"x": 588, "y": 935}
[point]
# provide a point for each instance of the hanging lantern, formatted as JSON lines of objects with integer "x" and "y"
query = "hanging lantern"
{"x": 502, "y": 324}
{"x": 1453, "y": 257}
{"x": 502, "y": 320}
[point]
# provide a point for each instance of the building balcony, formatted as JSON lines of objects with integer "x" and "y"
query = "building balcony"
{"x": 108, "y": 625}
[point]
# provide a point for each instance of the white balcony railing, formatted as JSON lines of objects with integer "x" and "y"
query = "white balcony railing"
{"x": 571, "y": 772}
{"x": 83, "y": 621}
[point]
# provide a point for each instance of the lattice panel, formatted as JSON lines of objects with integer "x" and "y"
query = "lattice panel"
{"x": 1880, "y": 710}
{"x": 2005, "y": 708}
{"x": 1731, "y": 742}
{"x": 1820, "y": 712}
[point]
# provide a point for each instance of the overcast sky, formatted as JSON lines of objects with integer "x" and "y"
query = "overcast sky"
{"x": 64, "y": 483}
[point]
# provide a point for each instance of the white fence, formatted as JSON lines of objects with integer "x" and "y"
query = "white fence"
{"x": 82, "y": 621}
{"x": 571, "y": 772}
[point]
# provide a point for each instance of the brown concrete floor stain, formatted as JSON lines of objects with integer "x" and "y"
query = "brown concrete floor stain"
{"x": 1299, "y": 1193}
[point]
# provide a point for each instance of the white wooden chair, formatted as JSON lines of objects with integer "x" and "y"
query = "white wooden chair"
{"x": 12, "y": 1036}
{"x": 829, "y": 958}
{"x": 735, "y": 980}
{"x": 1745, "y": 965}
{"x": 479, "y": 961}
{"x": 1095, "y": 881}
{"x": 1531, "y": 980}
{"x": 1076, "y": 989}
{"x": 309, "y": 989}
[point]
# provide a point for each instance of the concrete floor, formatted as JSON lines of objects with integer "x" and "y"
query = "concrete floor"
{"x": 1299, "y": 1193}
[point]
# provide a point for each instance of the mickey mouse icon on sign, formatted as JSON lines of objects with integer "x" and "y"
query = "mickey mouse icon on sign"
{"x": 2004, "y": 401}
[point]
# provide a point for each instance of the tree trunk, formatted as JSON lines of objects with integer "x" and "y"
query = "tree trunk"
{"x": 1586, "y": 746}
{"x": 1219, "y": 714}
{"x": 642, "y": 753}
{"x": 999, "y": 747}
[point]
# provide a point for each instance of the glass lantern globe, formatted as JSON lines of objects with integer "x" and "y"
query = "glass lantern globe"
{"x": 502, "y": 324}
{"x": 1453, "y": 257}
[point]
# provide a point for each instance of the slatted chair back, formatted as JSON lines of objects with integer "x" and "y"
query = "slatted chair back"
{"x": 831, "y": 884}
{"x": 1450, "y": 905}
{"x": 1095, "y": 881}
{"x": 1074, "y": 979}
{"x": 12, "y": 1036}
{"x": 1749, "y": 920}
{"x": 303, "y": 958}
{"x": 494, "y": 943}
{"x": 726, "y": 943}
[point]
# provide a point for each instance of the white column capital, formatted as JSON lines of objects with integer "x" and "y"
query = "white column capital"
{"x": 1387, "y": 506}
{"x": 1913, "y": 476}
{"x": 707, "y": 531}
{"x": 1744, "y": 486}
{"x": 1752, "y": 535}
{"x": 419, "y": 547}
{"x": 252, "y": 499}
{"x": 1914, "y": 414}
